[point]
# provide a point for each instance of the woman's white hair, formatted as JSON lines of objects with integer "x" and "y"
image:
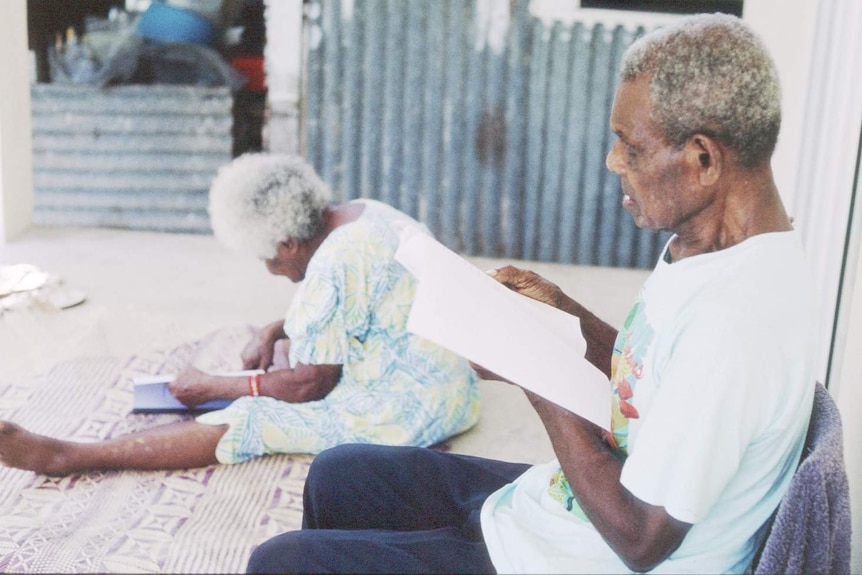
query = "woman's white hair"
{"x": 259, "y": 200}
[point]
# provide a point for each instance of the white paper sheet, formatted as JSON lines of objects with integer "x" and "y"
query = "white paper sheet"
{"x": 539, "y": 347}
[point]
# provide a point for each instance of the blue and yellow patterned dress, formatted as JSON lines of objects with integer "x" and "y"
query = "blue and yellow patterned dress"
{"x": 351, "y": 309}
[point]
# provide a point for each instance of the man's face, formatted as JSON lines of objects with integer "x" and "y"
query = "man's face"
{"x": 656, "y": 181}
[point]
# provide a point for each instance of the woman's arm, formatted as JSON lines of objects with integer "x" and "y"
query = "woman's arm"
{"x": 304, "y": 383}
{"x": 258, "y": 352}
{"x": 300, "y": 384}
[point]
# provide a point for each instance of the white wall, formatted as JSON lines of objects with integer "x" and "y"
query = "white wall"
{"x": 16, "y": 172}
{"x": 787, "y": 28}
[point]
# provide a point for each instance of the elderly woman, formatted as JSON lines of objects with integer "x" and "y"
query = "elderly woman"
{"x": 340, "y": 368}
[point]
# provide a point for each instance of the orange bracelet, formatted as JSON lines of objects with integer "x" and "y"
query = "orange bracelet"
{"x": 254, "y": 385}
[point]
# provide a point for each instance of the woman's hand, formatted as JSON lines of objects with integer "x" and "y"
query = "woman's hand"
{"x": 259, "y": 351}
{"x": 193, "y": 387}
{"x": 529, "y": 284}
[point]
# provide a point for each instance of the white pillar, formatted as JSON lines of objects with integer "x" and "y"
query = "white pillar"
{"x": 283, "y": 56}
{"x": 838, "y": 115}
{"x": 822, "y": 202}
{"x": 827, "y": 159}
{"x": 16, "y": 154}
{"x": 847, "y": 368}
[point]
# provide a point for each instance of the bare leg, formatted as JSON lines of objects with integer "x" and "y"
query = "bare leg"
{"x": 180, "y": 445}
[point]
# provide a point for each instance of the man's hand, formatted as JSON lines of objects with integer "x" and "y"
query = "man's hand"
{"x": 193, "y": 387}
{"x": 259, "y": 351}
{"x": 529, "y": 284}
{"x": 599, "y": 335}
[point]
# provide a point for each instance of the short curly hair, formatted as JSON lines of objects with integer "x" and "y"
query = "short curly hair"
{"x": 712, "y": 75}
{"x": 259, "y": 200}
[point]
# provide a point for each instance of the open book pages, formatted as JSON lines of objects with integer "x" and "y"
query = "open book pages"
{"x": 534, "y": 345}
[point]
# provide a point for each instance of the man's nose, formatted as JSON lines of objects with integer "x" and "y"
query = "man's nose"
{"x": 612, "y": 160}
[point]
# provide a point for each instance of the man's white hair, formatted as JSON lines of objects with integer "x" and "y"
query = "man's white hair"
{"x": 711, "y": 74}
{"x": 259, "y": 200}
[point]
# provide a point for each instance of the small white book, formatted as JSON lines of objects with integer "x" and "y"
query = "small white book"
{"x": 152, "y": 395}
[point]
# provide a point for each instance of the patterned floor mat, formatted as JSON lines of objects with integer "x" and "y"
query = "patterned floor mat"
{"x": 205, "y": 520}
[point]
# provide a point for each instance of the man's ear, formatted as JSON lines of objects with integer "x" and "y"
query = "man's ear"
{"x": 705, "y": 155}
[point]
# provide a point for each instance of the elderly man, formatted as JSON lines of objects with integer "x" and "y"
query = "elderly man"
{"x": 712, "y": 372}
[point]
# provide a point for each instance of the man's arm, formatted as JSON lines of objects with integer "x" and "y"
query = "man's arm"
{"x": 642, "y": 535}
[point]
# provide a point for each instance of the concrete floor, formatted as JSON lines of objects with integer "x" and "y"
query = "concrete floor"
{"x": 148, "y": 291}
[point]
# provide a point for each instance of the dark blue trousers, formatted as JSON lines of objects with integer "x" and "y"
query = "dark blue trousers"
{"x": 377, "y": 509}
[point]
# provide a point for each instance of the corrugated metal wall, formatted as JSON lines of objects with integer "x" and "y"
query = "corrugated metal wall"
{"x": 498, "y": 146}
{"x": 136, "y": 157}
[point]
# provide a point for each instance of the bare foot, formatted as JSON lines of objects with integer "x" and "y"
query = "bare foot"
{"x": 23, "y": 449}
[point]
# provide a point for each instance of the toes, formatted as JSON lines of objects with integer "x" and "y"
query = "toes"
{"x": 8, "y": 428}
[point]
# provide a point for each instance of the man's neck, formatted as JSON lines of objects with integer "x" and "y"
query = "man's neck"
{"x": 748, "y": 205}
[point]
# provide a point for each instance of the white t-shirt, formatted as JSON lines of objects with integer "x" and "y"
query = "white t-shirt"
{"x": 713, "y": 376}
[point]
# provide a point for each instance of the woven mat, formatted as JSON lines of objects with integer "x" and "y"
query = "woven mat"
{"x": 205, "y": 520}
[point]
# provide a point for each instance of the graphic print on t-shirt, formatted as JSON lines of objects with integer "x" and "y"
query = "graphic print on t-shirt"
{"x": 626, "y": 369}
